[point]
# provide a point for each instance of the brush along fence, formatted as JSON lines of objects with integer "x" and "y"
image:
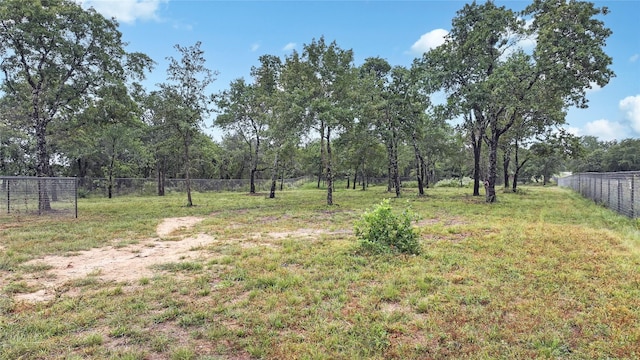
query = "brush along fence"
{"x": 39, "y": 195}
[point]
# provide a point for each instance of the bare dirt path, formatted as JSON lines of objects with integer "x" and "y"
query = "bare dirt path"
{"x": 120, "y": 264}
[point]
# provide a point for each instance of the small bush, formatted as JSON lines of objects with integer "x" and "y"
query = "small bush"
{"x": 382, "y": 231}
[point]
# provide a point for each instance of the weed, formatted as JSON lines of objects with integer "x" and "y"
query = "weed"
{"x": 380, "y": 231}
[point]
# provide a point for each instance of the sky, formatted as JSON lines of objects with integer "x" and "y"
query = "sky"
{"x": 234, "y": 34}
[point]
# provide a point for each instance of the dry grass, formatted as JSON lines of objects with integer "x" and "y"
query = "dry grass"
{"x": 544, "y": 274}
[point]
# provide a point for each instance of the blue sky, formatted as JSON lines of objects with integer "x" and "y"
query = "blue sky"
{"x": 235, "y": 33}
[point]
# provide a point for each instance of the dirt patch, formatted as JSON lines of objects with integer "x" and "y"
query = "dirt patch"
{"x": 114, "y": 264}
{"x": 127, "y": 264}
{"x": 445, "y": 222}
{"x": 121, "y": 264}
{"x": 428, "y": 222}
{"x": 298, "y": 233}
{"x": 168, "y": 226}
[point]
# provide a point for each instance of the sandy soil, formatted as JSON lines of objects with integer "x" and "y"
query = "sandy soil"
{"x": 130, "y": 263}
{"x": 120, "y": 264}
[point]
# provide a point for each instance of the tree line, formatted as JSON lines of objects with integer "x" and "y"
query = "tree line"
{"x": 72, "y": 103}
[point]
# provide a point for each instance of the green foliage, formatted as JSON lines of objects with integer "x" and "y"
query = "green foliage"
{"x": 460, "y": 182}
{"x": 382, "y": 231}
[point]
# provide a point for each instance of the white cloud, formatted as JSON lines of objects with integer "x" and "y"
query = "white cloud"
{"x": 290, "y": 46}
{"x": 605, "y": 130}
{"x": 255, "y": 47}
{"x": 428, "y": 41}
{"x": 573, "y": 130}
{"x": 634, "y": 58}
{"x": 126, "y": 11}
{"x": 631, "y": 107}
{"x": 593, "y": 87}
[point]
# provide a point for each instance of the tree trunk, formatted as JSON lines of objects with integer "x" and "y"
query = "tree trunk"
{"x": 274, "y": 178}
{"x": 282, "y": 179}
{"x": 322, "y": 155}
{"x": 252, "y": 181}
{"x": 493, "y": 168}
{"x": 254, "y": 166}
{"x": 187, "y": 171}
{"x": 110, "y": 186}
{"x": 42, "y": 162}
{"x": 82, "y": 168}
{"x": 396, "y": 171}
{"x": 506, "y": 159}
{"x": 161, "y": 177}
{"x": 355, "y": 177}
{"x": 389, "y": 168}
{"x": 111, "y": 165}
{"x": 419, "y": 168}
{"x": 476, "y": 143}
{"x": 329, "y": 174}
{"x": 425, "y": 174}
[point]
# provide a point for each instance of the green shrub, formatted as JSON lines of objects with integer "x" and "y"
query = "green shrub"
{"x": 382, "y": 231}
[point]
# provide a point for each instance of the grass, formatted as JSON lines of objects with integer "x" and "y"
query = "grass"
{"x": 541, "y": 274}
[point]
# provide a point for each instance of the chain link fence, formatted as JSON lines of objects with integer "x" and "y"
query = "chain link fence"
{"x": 39, "y": 195}
{"x": 618, "y": 191}
{"x": 149, "y": 186}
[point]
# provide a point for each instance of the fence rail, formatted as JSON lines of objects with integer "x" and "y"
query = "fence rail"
{"x": 617, "y": 191}
{"x": 39, "y": 195}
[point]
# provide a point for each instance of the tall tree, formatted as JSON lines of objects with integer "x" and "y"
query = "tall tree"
{"x": 60, "y": 53}
{"x": 623, "y": 156}
{"x": 502, "y": 82}
{"x": 241, "y": 113}
{"x": 186, "y": 100}
{"x": 274, "y": 104}
{"x": 323, "y": 93}
{"x": 363, "y": 135}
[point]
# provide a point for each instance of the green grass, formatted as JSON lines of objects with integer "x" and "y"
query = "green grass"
{"x": 541, "y": 274}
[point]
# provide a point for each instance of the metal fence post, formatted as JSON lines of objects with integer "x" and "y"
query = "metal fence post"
{"x": 75, "y": 190}
{"x": 8, "y": 196}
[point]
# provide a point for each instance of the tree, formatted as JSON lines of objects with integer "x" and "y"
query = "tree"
{"x": 322, "y": 94}
{"x": 623, "y": 156}
{"x": 16, "y": 139}
{"x": 374, "y": 79}
{"x": 274, "y": 104}
{"x": 241, "y": 113}
{"x": 186, "y": 103}
{"x": 501, "y": 82}
{"x": 411, "y": 93}
{"x": 591, "y": 158}
{"x": 59, "y": 53}
{"x": 159, "y": 137}
{"x": 551, "y": 151}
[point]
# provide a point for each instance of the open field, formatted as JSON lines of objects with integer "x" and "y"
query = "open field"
{"x": 541, "y": 274}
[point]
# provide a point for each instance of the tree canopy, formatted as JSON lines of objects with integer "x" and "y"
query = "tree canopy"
{"x": 71, "y": 104}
